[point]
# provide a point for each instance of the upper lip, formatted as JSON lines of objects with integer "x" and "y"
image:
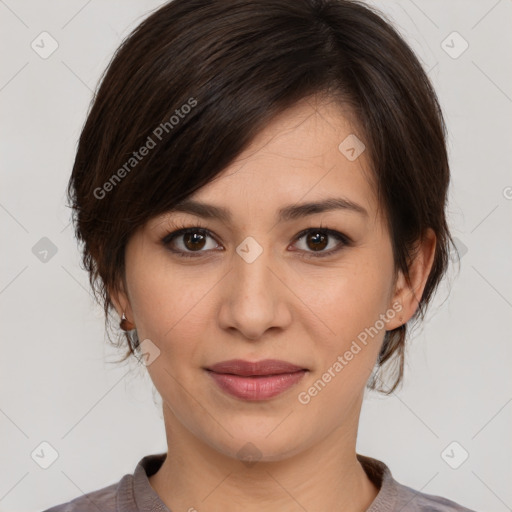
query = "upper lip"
{"x": 248, "y": 368}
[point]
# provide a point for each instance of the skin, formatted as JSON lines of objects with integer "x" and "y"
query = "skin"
{"x": 307, "y": 311}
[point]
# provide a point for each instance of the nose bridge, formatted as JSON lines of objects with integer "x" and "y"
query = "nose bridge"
{"x": 251, "y": 301}
{"x": 252, "y": 262}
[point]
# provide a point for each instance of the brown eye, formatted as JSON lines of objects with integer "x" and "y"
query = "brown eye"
{"x": 186, "y": 242}
{"x": 315, "y": 240}
{"x": 194, "y": 241}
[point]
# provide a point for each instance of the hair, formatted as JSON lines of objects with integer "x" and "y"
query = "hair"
{"x": 197, "y": 80}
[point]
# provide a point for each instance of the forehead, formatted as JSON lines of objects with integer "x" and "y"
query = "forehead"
{"x": 311, "y": 151}
{"x": 297, "y": 165}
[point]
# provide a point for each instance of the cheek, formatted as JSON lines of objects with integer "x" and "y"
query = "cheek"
{"x": 351, "y": 306}
{"x": 170, "y": 306}
{"x": 350, "y": 298}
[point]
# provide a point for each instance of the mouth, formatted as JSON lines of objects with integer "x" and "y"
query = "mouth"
{"x": 254, "y": 381}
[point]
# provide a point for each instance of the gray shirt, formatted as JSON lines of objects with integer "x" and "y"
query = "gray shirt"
{"x": 133, "y": 493}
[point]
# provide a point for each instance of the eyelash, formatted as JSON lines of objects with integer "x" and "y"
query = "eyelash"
{"x": 183, "y": 230}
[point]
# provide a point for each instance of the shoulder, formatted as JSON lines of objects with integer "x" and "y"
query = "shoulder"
{"x": 122, "y": 496}
{"x": 416, "y": 501}
{"x": 395, "y": 497}
{"x": 103, "y": 499}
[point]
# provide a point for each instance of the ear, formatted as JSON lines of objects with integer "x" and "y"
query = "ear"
{"x": 409, "y": 295}
{"x": 121, "y": 301}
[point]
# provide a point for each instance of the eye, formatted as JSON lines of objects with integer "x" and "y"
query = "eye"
{"x": 192, "y": 240}
{"x": 317, "y": 239}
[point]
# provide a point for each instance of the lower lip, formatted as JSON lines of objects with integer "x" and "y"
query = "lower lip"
{"x": 256, "y": 388}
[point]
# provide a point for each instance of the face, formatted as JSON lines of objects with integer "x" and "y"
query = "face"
{"x": 310, "y": 287}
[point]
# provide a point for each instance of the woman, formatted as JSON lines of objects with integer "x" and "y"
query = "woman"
{"x": 260, "y": 189}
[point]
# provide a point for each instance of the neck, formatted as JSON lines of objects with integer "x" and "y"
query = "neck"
{"x": 326, "y": 476}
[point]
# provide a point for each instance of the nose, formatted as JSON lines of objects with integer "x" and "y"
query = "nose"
{"x": 255, "y": 298}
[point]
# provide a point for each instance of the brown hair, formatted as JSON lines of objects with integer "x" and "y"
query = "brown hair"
{"x": 198, "y": 79}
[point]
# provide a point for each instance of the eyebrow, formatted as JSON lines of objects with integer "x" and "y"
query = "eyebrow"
{"x": 287, "y": 213}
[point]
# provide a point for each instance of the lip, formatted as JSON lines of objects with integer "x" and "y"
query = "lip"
{"x": 248, "y": 368}
{"x": 259, "y": 380}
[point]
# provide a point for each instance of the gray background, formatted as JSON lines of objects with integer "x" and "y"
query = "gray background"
{"x": 58, "y": 384}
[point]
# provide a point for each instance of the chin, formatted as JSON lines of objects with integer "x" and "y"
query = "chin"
{"x": 267, "y": 443}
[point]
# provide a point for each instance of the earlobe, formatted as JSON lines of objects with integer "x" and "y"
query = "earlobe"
{"x": 120, "y": 301}
{"x": 409, "y": 294}
{"x": 396, "y": 304}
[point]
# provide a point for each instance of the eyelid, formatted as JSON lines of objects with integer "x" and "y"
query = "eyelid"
{"x": 170, "y": 237}
{"x": 343, "y": 241}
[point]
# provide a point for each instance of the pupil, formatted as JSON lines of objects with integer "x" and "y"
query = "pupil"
{"x": 194, "y": 238}
{"x": 315, "y": 238}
